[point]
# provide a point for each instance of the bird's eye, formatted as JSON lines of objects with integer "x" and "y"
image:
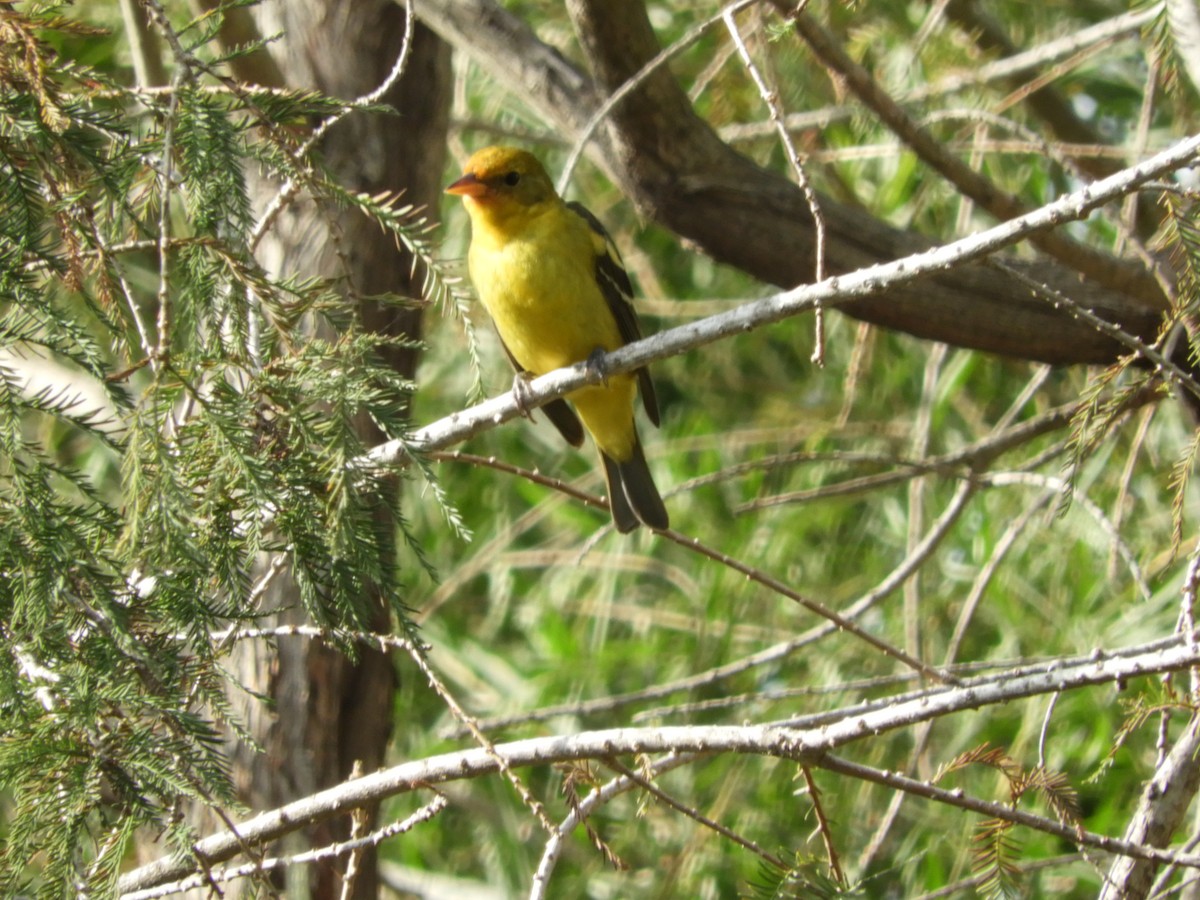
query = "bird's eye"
{"x": 512, "y": 178}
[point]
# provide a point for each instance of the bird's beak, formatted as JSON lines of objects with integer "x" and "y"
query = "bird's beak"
{"x": 469, "y": 186}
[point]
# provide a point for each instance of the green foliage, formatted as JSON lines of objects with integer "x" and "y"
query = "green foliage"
{"x": 814, "y": 477}
{"x": 194, "y": 427}
{"x": 223, "y": 423}
{"x": 808, "y": 879}
{"x": 997, "y": 849}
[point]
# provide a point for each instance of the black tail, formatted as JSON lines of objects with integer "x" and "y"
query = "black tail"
{"x": 565, "y": 420}
{"x": 632, "y": 495}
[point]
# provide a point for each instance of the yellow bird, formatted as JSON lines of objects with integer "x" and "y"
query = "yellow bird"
{"x": 553, "y": 283}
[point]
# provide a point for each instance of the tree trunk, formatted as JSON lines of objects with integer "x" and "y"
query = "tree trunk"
{"x": 329, "y": 713}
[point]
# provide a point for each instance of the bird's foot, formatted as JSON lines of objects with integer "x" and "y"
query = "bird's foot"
{"x": 596, "y": 366}
{"x": 521, "y": 394}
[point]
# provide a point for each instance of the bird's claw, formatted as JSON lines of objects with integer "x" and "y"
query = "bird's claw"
{"x": 595, "y": 364}
{"x": 521, "y": 394}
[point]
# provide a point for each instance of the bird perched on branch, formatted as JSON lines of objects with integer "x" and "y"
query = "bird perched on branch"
{"x": 555, "y": 287}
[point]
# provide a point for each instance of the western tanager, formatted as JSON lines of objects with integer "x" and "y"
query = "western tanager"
{"x": 555, "y": 287}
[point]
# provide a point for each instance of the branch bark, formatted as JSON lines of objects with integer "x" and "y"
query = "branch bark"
{"x": 807, "y": 744}
{"x": 1164, "y": 803}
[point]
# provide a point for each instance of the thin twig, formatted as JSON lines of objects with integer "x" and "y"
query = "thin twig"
{"x": 664, "y": 56}
{"x": 771, "y": 98}
{"x": 1004, "y": 811}
{"x": 836, "y": 620}
{"x": 1046, "y": 729}
{"x": 1049, "y": 482}
{"x": 917, "y": 489}
{"x": 986, "y": 572}
{"x": 1187, "y": 613}
{"x": 1163, "y": 366}
{"x": 693, "y": 813}
{"x": 823, "y": 825}
{"x": 535, "y": 806}
{"x": 998, "y": 203}
{"x": 374, "y": 839}
{"x": 358, "y": 828}
{"x": 1078, "y": 46}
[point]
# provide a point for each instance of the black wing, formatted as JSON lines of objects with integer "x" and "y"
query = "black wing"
{"x": 614, "y": 284}
{"x": 557, "y": 411}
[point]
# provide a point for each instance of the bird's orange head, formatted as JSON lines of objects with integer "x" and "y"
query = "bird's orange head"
{"x": 502, "y": 180}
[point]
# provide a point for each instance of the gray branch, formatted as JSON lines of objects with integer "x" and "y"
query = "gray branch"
{"x": 806, "y": 745}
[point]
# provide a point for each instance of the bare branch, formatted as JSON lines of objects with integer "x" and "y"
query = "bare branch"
{"x": 1164, "y": 802}
{"x": 803, "y": 745}
{"x": 1075, "y": 48}
{"x": 1124, "y": 848}
{"x": 1115, "y": 274}
{"x": 353, "y": 846}
{"x": 839, "y": 291}
{"x": 754, "y": 219}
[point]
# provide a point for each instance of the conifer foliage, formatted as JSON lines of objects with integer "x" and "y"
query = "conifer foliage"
{"x": 194, "y": 426}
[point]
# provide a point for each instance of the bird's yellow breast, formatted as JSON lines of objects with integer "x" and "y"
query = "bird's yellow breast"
{"x": 538, "y": 283}
{"x": 535, "y": 271}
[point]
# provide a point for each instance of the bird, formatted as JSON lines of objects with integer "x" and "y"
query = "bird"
{"x": 554, "y": 285}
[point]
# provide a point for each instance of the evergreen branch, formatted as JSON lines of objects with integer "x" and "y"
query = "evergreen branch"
{"x": 805, "y": 879}
{"x": 411, "y": 229}
{"x": 996, "y": 851}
